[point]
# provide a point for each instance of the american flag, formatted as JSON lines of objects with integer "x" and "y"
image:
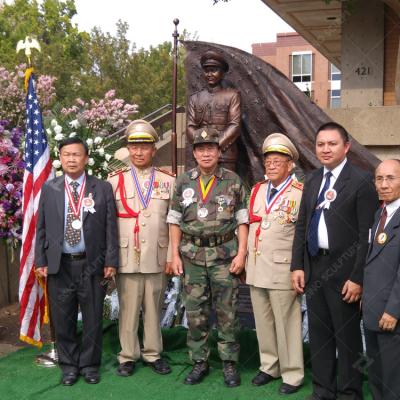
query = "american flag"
{"x": 37, "y": 172}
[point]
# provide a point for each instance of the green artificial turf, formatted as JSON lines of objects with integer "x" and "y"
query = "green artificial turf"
{"x": 20, "y": 378}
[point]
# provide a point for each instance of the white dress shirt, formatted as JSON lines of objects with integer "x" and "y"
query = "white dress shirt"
{"x": 391, "y": 208}
{"x": 323, "y": 239}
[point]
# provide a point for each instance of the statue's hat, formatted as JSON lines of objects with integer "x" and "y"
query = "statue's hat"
{"x": 213, "y": 59}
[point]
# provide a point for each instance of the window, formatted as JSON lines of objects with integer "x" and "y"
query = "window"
{"x": 335, "y": 98}
{"x": 301, "y": 67}
{"x": 336, "y": 75}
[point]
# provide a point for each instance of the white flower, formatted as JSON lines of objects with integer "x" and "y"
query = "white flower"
{"x": 48, "y": 131}
{"x": 100, "y": 151}
{"x": 90, "y": 172}
{"x": 59, "y": 137}
{"x": 108, "y": 157}
{"x": 56, "y": 164}
{"x": 99, "y": 176}
{"x": 91, "y": 162}
{"x": 98, "y": 140}
{"x": 105, "y": 164}
{"x": 53, "y": 123}
{"x": 57, "y": 129}
{"x": 59, "y": 173}
{"x": 74, "y": 124}
{"x": 72, "y": 134}
{"x": 89, "y": 142}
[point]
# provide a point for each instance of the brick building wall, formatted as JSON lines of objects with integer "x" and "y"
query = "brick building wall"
{"x": 279, "y": 54}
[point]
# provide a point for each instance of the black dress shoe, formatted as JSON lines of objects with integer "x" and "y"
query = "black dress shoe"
{"x": 231, "y": 374}
{"x": 69, "y": 378}
{"x": 285, "y": 388}
{"x": 160, "y": 366}
{"x": 126, "y": 368}
{"x": 262, "y": 379}
{"x": 92, "y": 377}
{"x": 197, "y": 374}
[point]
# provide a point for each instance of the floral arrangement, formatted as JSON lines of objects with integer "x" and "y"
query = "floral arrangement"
{"x": 92, "y": 122}
{"x": 11, "y": 177}
{"x": 12, "y": 94}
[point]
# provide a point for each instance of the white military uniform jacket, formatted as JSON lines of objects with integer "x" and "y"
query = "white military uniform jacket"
{"x": 152, "y": 235}
{"x": 270, "y": 253}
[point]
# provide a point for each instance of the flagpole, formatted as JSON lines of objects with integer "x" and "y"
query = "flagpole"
{"x": 174, "y": 98}
{"x": 31, "y": 323}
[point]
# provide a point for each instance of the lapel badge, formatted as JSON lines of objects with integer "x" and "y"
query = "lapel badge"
{"x": 88, "y": 204}
{"x": 330, "y": 195}
{"x": 382, "y": 237}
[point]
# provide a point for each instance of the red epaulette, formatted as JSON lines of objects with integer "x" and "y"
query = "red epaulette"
{"x": 259, "y": 183}
{"x": 165, "y": 172}
{"x": 297, "y": 184}
{"x": 114, "y": 173}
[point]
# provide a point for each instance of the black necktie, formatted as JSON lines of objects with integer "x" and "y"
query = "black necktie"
{"x": 312, "y": 240}
{"x": 72, "y": 236}
{"x": 272, "y": 193}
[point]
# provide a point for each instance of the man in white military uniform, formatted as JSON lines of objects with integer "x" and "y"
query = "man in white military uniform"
{"x": 142, "y": 194}
{"x": 274, "y": 207}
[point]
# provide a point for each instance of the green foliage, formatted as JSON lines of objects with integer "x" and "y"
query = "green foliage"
{"x": 87, "y": 65}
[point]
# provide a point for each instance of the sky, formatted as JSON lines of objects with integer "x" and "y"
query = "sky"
{"x": 238, "y": 23}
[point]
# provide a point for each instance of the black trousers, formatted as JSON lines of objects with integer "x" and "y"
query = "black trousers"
{"x": 70, "y": 288}
{"x": 383, "y": 352}
{"x": 333, "y": 325}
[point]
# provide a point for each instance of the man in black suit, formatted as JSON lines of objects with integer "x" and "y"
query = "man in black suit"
{"x": 381, "y": 296}
{"x": 77, "y": 250}
{"x": 329, "y": 249}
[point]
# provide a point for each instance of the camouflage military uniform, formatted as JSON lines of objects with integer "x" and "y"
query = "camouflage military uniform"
{"x": 207, "y": 248}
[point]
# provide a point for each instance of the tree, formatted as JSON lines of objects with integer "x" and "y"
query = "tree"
{"x": 63, "y": 46}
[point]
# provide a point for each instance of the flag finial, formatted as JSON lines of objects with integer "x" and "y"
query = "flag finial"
{"x": 28, "y": 44}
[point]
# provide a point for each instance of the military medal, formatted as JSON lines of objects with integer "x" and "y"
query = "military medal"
{"x": 88, "y": 204}
{"x": 221, "y": 201}
{"x": 382, "y": 237}
{"x": 76, "y": 206}
{"x": 265, "y": 224}
{"x": 205, "y": 192}
{"x": 76, "y": 224}
{"x": 202, "y": 212}
{"x": 143, "y": 200}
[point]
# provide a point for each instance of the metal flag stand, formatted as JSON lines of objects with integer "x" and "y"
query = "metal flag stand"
{"x": 49, "y": 359}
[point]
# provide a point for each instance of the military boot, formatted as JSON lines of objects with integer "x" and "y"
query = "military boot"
{"x": 231, "y": 374}
{"x": 197, "y": 374}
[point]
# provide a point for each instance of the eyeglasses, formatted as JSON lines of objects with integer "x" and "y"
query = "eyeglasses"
{"x": 275, "y": 163}
{"x": 389, "y": 179}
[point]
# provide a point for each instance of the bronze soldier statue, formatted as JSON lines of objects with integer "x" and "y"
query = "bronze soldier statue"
{"x": 216, "y": 107}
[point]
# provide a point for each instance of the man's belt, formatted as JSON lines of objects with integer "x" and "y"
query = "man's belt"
{"x": 210, "y": 241}
{"x": 74, "y": 256}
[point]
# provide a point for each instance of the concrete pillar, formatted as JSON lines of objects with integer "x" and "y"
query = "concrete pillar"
{"x": 363, "y": 54}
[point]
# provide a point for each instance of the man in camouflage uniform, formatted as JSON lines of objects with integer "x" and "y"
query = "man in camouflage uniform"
{"x": 208, "y": 205}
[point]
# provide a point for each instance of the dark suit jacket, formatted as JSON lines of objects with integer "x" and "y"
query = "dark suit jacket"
{"x": 99, "y": 229}
{"x": 348, "y": 220}
{"x": 382, "y": 275}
